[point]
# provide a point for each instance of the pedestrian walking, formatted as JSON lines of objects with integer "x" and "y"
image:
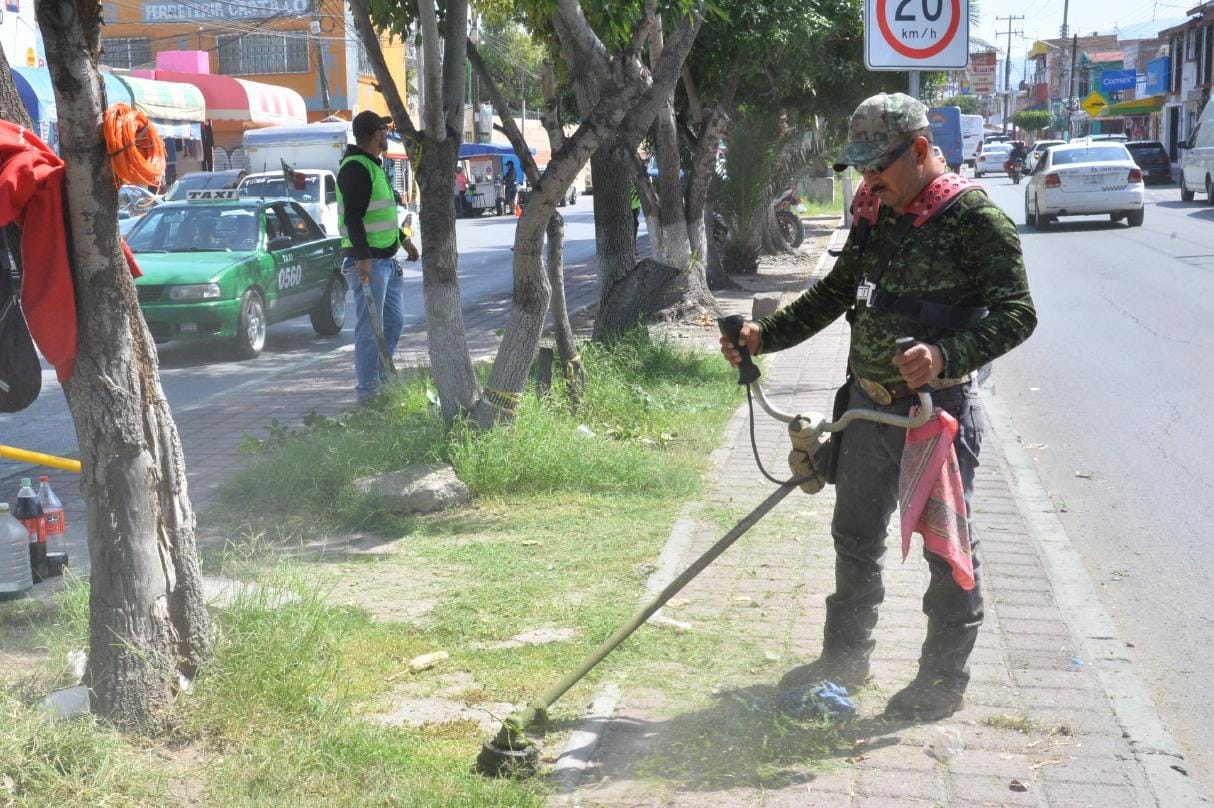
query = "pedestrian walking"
{"x": 510, "y": 184}
{"x": 461, "y": 188}
{"x": 930, "y": 257}
{"x": 366, "y": 213}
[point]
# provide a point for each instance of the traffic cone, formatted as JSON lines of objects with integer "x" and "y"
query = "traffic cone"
{"x": 518, "y": 210}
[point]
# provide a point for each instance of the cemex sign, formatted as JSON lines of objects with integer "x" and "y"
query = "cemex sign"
{"x": 916, "y": 34}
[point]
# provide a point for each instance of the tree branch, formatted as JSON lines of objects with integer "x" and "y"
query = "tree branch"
{"x": 693, "y": 95}
{"x": 584, "y": 52}
{"x": 383, "y": 78}
{"x": 508, "y": 126}
{"x": 454, "y": 60}
{"x": 552, "y": 108}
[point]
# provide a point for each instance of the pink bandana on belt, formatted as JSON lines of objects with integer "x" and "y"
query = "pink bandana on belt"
{"x": 931, "y": 496}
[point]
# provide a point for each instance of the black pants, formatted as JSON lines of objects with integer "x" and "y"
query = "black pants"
{"x": 866, "y": 492}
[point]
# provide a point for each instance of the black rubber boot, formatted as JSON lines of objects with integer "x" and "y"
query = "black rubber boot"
{"x": 928, "y": 698}
{"x": 843, "y": 667}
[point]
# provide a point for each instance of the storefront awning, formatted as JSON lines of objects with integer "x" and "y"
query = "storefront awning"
{"x": 38, "y": 96}
{"x": 233, "y": 103}
{"x": 176, "y": 109}
{"x": 1138, "y": 106}
{"x": 34, "y": 87}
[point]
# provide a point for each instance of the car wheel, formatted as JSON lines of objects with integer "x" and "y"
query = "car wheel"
{"x": 1034, "y": 219}
{"x": 251, "y": 325}
{"x": 329, "y": 316}
{"x": 1209, "y": 191}
{"x": 1185, "y": 194}
{"x": 1135, "y": 217}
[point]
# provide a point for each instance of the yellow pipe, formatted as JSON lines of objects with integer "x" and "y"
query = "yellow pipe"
{"x": 39, "y": 459}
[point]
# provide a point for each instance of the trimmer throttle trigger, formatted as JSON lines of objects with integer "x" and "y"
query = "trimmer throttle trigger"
{"x": 731, "y": 328}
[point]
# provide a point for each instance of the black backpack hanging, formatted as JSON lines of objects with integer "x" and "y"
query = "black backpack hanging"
{"x": 20, "y": 370}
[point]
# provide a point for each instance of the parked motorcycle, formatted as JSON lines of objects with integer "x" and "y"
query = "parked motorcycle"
{"x": 790, "y": 223}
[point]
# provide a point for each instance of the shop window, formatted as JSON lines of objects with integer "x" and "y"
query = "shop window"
{"x": 126, "y": 53}
{"x": 257, "y": 54}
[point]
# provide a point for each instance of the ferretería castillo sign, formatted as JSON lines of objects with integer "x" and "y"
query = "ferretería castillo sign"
{"x": 222, "y": 10}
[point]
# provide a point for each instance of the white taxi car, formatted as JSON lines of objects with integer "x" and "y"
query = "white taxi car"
{"x": 991, "y": 158}
{"x": 1085, "y": 178}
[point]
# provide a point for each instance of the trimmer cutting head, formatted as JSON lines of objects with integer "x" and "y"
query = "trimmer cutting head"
{"x": 497, "y": 761}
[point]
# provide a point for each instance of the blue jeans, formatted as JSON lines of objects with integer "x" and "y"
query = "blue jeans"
{"x": 866, "y": 497}
{"x": 388, "y": 292}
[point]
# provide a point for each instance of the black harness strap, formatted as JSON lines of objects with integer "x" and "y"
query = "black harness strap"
{"x": 927, "y": 312}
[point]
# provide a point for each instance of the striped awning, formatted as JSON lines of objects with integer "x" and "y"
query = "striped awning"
{"x": 38, "y": 95}
{"x": 1137, "y": 106}
{"x": 233, "y": 103}
{"x": 177, "y": 109}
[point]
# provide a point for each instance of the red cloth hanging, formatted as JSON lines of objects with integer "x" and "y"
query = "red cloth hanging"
{"x": 31, "y": 195}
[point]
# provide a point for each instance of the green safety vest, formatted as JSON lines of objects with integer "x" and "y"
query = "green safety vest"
{"x": 380, "y": 221}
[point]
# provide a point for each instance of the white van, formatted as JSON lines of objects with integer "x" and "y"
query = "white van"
{"x": 1197, "y": 158}
{"x": 971, "y": 138}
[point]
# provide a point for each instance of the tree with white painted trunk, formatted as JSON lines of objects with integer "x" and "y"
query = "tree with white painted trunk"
{"x": 628, "y": 97}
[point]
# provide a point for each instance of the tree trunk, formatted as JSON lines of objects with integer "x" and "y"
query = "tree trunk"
{"x": 566, "y": 342}
{"x": 613, "y": 231}
{"x": 672, "y": 246}
{"x": 148, "y": 622}
{"x": 450, "y": 360}
{"x": 11, "y": 107}
{"x": 434, "y": 151}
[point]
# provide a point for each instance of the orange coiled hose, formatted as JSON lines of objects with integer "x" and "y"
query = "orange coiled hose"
{"x": 136, "y": 151}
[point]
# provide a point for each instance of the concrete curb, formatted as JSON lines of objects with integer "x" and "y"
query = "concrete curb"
{"x": 1156, "y": 752}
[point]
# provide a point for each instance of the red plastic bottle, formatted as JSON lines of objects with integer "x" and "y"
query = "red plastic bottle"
{"x": 53, "y": 520}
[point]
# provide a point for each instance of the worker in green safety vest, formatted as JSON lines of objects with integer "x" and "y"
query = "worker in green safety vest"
{"x": 370, "y": 238}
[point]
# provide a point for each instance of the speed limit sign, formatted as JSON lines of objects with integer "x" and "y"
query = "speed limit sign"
{"x": 916, "y": 34}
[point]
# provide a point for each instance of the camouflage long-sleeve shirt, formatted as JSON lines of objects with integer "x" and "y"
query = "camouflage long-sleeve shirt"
{"x": 969, "y": 255}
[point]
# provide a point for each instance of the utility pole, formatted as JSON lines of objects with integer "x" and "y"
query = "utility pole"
{"x": 1071, "y": 83}
{"x": 318, "y": 42}
{"x": 1066, "y": 7}
{"x": 1007, "y": 66}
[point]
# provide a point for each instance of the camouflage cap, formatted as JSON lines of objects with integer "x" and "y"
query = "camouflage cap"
{"x": 877, "y": 123}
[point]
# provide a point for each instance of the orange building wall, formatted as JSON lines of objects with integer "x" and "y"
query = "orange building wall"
{"x": 347, "y": 98}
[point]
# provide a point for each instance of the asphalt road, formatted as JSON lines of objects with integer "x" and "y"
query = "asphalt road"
{"x": 1111, "y": 396}
{"x": 193, "y": 372}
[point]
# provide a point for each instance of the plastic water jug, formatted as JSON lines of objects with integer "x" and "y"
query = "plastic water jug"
{"x": 16, "y": 577}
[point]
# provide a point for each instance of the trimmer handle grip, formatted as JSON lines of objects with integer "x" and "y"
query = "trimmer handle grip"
{"x": 731, "y": 328}
{"x": 901, "y": 344}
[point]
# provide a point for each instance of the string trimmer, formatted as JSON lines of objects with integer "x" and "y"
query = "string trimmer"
{"x": 511, "y": 751}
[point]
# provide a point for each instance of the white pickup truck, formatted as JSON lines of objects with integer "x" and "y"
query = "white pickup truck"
{"x": 313, "y": 154}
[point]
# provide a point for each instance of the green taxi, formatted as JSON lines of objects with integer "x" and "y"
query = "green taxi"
{"x": 218, "y": 266}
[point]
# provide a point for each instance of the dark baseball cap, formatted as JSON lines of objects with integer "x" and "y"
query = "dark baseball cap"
{"x": 367, "y": 122}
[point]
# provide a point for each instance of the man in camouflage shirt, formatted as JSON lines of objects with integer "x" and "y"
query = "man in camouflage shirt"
{"x": 957, "y": 284}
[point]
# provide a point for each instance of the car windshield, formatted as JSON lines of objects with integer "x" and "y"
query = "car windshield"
{"x": 198, "y": 181}
{"x": 1092, "y": 154}
{"x": 303, "y": 189}
{"x": 195, "y": 229}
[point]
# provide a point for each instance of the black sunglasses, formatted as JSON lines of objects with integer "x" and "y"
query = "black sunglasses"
{"x": 882, "y": 163}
